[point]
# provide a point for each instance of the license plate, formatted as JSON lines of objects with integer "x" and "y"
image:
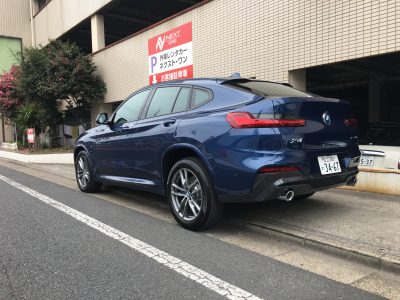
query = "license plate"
{"x": 329, "y": 164}
{"x": 367, "y": 160}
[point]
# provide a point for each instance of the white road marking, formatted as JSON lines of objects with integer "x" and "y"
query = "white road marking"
{"x": 206, "y": 279}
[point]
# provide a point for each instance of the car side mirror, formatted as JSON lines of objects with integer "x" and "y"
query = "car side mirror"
{"x": 102, "y": 119}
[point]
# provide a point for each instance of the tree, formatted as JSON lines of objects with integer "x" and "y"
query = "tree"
{"x": 74, "y": 79}
{"x": 60, "y": 71}
{"x": 40, "y": 108}
{"x": 9, "y": 99}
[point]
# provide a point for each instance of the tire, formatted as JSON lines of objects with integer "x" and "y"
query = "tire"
{"x": 84, "y": 174}
{"x": 191, "y": 195}
{"x": 303, "y": 197}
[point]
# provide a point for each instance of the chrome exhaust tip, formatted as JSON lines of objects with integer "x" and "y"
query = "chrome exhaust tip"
{"x": 287, "y": 195}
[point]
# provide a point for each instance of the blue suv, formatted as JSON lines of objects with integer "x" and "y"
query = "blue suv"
{"x": 206, "y": 142}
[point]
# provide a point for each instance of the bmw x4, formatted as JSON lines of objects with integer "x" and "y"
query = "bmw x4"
{"x": 205, "y": 142}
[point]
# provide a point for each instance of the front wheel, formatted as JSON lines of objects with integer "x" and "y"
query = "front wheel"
{"x": 85, "y": 175}
{"x": 191, "y": 195}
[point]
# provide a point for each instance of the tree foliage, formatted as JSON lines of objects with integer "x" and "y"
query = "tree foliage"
{"x": 60, "y": 71}
{"x": 31, "y": 115}
{"x": 9, "y": 99}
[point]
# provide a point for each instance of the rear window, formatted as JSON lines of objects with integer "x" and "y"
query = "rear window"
{"x": 265, "y": 88}
{"x": 199, "y": 97}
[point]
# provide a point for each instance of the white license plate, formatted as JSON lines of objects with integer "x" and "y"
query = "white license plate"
{"x": 367, "y": 160}
{"x": 329, "y": 164}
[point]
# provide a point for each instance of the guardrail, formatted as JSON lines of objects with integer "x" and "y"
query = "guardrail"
{"x": 9, "y": 146}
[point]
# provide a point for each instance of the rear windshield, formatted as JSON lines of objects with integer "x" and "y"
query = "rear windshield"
{"x": 265, "y": 88}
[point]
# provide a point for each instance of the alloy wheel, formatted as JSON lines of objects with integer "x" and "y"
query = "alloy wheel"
{"x": 186, "y": 194}
{"x": 82, "y": 171}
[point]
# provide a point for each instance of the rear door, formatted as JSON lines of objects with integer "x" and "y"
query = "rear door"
{"x": 154, "y": 133}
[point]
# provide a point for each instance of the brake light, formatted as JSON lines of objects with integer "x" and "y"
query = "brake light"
{"x": 277, "y": 169}
{"x": 350, "y": 122}
{"x": 247, "y": 120}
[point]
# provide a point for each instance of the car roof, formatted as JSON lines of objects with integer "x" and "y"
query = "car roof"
{"x": 212, "y": 80}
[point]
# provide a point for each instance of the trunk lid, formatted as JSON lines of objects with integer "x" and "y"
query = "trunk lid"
{"x": 325, "y": 123}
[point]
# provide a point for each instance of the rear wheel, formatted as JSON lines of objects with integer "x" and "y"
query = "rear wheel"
{"x": 303, "y": 197}
{"x": 85, "y": 175}
{"x": 191, "y": 195}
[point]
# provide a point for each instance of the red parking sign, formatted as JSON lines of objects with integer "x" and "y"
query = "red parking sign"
{"x": 31, "y": 135}
{"x": 170, "y": 55}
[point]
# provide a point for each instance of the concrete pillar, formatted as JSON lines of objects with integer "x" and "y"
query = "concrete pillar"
{"x": 34, "y": 6}
{"x": 98, "y": 108}
{"x": 298, "y": 79}
{"x": 374, "y": 101}
{"x": 98, "y": 39}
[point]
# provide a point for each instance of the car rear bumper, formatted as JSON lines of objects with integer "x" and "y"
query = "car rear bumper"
{"x": 271, "y": 186}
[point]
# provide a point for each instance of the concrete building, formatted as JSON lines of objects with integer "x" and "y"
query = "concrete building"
{"x": 15, "y": 32}
{"x": 336, "y": 48}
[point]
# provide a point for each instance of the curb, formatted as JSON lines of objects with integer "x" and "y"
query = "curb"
{"x": 366, "y": 254}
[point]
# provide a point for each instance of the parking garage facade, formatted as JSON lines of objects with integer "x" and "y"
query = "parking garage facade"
{"x": 345, "y": 49}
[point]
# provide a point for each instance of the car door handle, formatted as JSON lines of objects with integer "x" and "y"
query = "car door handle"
{"x": 169, "y": 122}
{"x": 124, "y": 129}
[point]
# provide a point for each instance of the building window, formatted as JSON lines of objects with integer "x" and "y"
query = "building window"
{"x": 8, "y": 46}
{"x": 42, "y": 3}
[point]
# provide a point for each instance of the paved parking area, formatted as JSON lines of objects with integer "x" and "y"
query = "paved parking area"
{"x": 360, "y": 225}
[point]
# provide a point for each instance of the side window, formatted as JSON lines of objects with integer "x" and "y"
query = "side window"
{"x": 182, "y": 102}
{"x": 162, "y": 101}
{"x": 130, "y": 109}
{"x": 199, "y": 97}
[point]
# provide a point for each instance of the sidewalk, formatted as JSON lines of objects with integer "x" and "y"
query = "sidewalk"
{"x": 59, "y": 158}
{"x": 357, "y": 225}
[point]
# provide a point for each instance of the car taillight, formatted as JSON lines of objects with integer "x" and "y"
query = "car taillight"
{"x": 247, "y": 120}
{"x": 277, "y": 169}
{"x": 350, "y": 122}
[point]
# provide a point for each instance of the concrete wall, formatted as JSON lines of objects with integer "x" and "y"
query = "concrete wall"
{"x": 263, "y": 38}
{"x": 15, "y": 20}
{"x": 8, "y": 131}
{"x": 59, "y": 16}
{"x": 378, "y": 181}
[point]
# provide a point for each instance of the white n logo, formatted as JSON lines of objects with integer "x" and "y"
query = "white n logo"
{"x": 160, "y": 43}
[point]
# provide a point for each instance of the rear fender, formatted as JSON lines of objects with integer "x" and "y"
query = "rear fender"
{"x": 198, "y": 153}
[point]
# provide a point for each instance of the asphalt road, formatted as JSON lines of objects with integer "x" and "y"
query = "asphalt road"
{"x": 58, "y": 243}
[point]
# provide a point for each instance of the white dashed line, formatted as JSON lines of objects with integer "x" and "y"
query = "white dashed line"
{"x": 206, "y": 279}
